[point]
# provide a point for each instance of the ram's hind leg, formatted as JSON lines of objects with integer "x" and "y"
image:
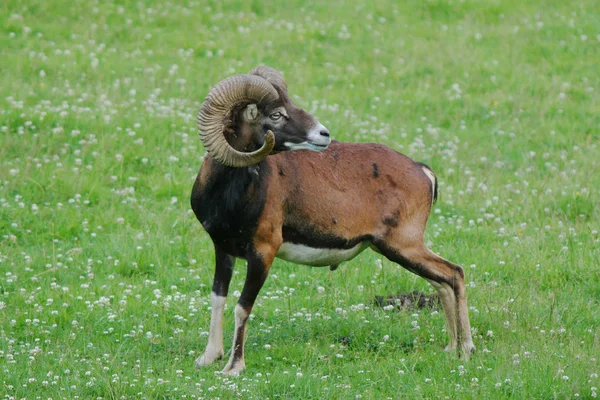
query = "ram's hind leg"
{"x": 223, "y": 272}
{"x": 448, "y": 279}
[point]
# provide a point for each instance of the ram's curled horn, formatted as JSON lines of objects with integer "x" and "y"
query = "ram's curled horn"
{"x": 273, "y": 76}
{"x": 227, "y": 93}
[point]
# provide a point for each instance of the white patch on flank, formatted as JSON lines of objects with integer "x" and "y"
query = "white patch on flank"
{"x": 431, "y": 177}
{"x": 318, "y": 257}
{"x": 214, "y": 348}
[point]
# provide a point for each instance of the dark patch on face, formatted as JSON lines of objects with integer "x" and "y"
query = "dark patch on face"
{"x": 229, "y": 205}
{"x": 375, "y": 170}
{"x": 281, "y": 172}
{"x": 312, "y": 237}
{"x": 392, "y": 220}
{"x": 336, "y": 156}
{"x": 294, "y": 128}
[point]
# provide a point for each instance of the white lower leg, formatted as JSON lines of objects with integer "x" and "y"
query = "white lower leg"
{"x": 465, "y": 327}
{"x": 448, "y": 300}
{"x": 236, "y": 362}
{"x": 214, "y": 347}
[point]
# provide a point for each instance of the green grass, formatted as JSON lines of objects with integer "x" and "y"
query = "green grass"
{"x": 105, "y": 274}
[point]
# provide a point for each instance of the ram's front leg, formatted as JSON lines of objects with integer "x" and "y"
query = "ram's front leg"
{"x": 259, "y": 263}
{"x": 223, "y": 272}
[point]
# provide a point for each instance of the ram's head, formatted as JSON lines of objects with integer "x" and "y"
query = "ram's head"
{"x": 247, "y": 117}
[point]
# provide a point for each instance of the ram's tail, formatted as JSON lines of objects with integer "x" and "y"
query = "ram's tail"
{"x": 434, "y": 183}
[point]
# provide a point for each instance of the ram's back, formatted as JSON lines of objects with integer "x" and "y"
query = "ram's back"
{"x": 350, "y": 190}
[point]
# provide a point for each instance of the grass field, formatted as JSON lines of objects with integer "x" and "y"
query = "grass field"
{"x": 105, "y": 273}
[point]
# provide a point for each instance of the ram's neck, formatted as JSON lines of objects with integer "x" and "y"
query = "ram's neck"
{"x": 229, "y": 201}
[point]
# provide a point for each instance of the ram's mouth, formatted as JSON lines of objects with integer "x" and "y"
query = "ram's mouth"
{"x": 306, "y": 146}
{"x": 319, "y": 147}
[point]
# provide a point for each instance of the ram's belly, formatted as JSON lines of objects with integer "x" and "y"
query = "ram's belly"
{"x": 318, "y": 257}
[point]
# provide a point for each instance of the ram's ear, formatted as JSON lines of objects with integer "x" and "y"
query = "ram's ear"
{"x": 251, "y": 113}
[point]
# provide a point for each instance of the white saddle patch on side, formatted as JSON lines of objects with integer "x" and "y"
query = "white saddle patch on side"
{"x": 318, "y": 257}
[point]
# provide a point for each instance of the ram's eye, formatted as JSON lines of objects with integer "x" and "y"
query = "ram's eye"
{"x": 275, "y": 116}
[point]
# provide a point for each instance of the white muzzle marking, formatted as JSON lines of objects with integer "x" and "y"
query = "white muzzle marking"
{"x": 315, "y": 141}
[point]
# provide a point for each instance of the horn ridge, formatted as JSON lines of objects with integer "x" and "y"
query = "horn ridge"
{"x": 210, "y": 118}
{"x": 272, "y": 76}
